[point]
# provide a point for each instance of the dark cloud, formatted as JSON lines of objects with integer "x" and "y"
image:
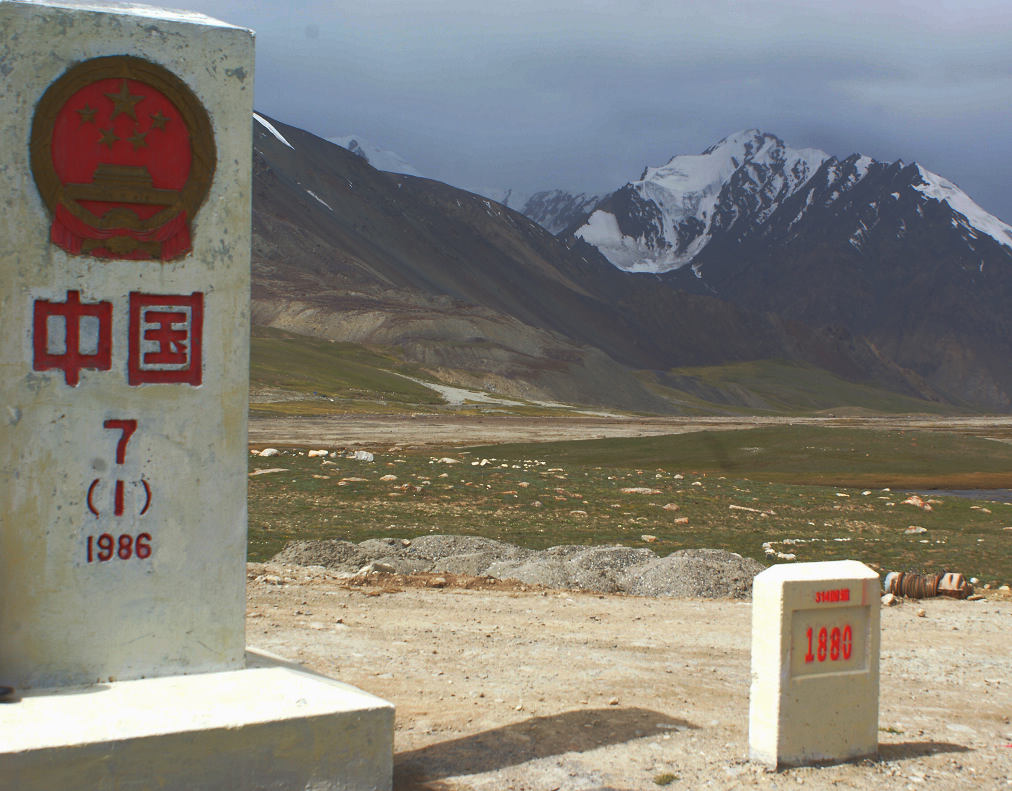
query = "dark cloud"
{"x": 583, "y": 93}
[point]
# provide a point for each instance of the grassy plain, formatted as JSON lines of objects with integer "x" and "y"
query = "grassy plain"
{"x": 817, "y": 493}
{"x": 782, "y": 387}
{"x": 321, "y": 377}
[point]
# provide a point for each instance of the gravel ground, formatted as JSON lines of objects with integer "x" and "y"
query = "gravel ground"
{"x": 501, "y": 686}
{"x": 702, "y": 573}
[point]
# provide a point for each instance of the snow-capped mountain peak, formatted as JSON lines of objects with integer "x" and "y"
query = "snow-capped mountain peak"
{"x": 663, "y": 220}
{"x": 379, "y": 158}
{"x": 976, "y": 219}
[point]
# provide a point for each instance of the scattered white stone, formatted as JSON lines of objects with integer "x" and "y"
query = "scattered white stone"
{"x": 890, "y": 600}
{"x": 267, "y": 452}
{"x": 577, "y": 513}
{"x": 362, "y": 455}
{"x": 268, "y": 471}
{"x": 376, "y": 567}
{"x": 914, "y": 530}
{"x": 697, "y": 483}
{"x": 388, "y": 478}
{"x": 916, "y": 501}
{"x": 314, "y": 453}
{"x": 639, "y": 490}
{"x": 447, "y": 460}
{"x": 648, "y": 538}
{"x": 786, "y": 556}
{"x": 670, "y": 506}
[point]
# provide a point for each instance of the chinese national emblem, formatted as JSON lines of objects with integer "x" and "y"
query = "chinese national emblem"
{"x": 123, "y": 155}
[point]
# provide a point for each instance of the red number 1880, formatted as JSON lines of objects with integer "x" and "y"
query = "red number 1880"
{"x": 834, "y": 644}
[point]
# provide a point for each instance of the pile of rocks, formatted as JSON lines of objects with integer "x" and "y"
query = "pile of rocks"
{"x": 697, "y": 573}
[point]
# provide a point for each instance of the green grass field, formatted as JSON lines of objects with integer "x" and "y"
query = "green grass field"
{"x": 339, "y": 377}
{"x": 783, "y": 387}
{"x": 311, "y": 376}
{"x": 820, "y": 494}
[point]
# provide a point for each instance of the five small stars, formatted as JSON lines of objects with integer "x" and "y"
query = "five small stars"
{"x": 123, "y": 102}
{"x": 108, "y": 138}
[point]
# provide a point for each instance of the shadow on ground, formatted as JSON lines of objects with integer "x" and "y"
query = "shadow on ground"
{"x": 537, "y": 737}
{"x": 900, "y": 750}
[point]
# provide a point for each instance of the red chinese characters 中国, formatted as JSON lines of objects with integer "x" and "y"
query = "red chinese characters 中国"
{"x": 165, "y": 343}
{"x": 86, "y": 326}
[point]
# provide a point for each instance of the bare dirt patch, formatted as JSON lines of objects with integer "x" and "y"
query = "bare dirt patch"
{"x": 499, "y": 685}
{"x": 444, "y": 430}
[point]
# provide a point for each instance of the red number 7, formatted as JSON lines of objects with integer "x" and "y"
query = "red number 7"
{"x": 128, "y": 427}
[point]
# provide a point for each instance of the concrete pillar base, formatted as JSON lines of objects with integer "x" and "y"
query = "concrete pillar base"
{"x": 271, "y": 726}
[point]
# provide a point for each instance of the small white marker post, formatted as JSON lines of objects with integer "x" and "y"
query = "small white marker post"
{"x": 815, "y": 654}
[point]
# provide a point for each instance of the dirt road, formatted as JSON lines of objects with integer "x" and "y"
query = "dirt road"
{"x": 514, "y": 689}
{"x": 446, "y": 430}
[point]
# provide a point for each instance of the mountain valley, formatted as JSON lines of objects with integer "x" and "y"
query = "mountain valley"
{"x": 475, "y": 294}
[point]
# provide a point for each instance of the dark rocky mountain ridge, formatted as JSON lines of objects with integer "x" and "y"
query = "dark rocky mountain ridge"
{"x": 861, "y": 245}
{"x": 484, "y": 297}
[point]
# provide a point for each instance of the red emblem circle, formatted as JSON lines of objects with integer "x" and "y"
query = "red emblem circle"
{"x": 123, "y": 155}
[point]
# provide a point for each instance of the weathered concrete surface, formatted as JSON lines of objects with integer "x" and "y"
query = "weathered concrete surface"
{"x": 65, "y": 619}
{"x": 815, "y": 663}
{"x": 268, "y": 727}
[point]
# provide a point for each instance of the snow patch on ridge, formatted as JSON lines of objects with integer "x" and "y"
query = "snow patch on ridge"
{"x": 270, "y": 128}
{"x": 319, "y": 199}
{"x": 941, "y": 189}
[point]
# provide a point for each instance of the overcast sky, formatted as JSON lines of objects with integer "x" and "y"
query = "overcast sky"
{"x": 534, "y": 94}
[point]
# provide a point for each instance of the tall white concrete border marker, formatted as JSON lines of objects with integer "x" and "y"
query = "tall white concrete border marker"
{"x": 815, "y": 663}
{"x": 125, "y": 184}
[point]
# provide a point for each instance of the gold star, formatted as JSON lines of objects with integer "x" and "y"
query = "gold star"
{"x": 124, "y": 101}
{"x": 108, "y": 137}
{"x": 158, "y": 120}
{"x": 87, "y": 114}
{"x": 137, "y": 140}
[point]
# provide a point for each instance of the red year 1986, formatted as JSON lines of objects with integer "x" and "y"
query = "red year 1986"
{"x": 123, "y": 547}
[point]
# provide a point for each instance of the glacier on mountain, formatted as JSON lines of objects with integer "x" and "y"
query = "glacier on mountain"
{"x": 666, "y": 218}
{"x": 691, "y": 195}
